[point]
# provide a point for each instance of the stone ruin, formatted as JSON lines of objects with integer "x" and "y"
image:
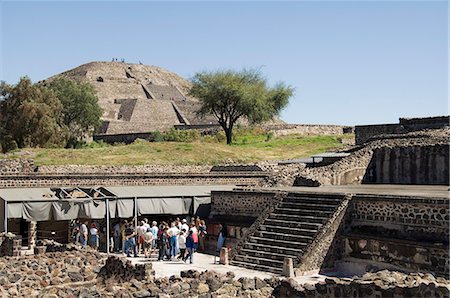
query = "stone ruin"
{"x": 349, "y": 223}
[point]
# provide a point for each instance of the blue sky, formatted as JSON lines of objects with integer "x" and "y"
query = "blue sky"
{"x": 350, "y": 62}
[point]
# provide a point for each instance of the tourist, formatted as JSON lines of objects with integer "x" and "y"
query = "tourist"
{"x": 116, "y": 236}
{"x": 130, "y": 242}
{"x": 184, "y": 225}
{"x": 148, "y": 237}
{"x": 123, "y": 227}
{"x": 140, "y": 231}
{"x": 155, "y": 234}
{"x": 194, "y": 235}
{"x": 202, "y": 234}
{"x": 191, "y": 246}
{"x": 173, "y": 232}
{"x": 146, "y": 224}
{"x": 94, "y": 236}
{"x": 83, "y": 234}
{"x": 182, "y": 244}
{"x": 163, "y": 243}
{"x": 223, "y": 234}
{"x": 75, "y": 231}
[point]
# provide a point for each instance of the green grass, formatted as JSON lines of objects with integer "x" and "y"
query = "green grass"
{"x": 249, "y": 146}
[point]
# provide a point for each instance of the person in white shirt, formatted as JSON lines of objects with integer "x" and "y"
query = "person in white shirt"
{"x": 83, "y": 234}
{"x": 155, "y": 231}
{"x": 148, "y": 237}
{"x": 140, "y": 230}
{"x": 146, "y": 224}
{"x": 94, "y": 236}
{"x": 184, "y": 225}
{"x": 182, "y": 244}
{"x": 173, "y": 233}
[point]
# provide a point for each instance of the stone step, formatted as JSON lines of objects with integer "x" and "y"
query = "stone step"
{"x": 284, "y": 229}
{"x": 291, "y": 224}
{"x": 299, "y": 218}
{"x": 285, "y": 237}
{"x": 259, "y": 261}
{"x": 257, "y": 267}
{"x": 267, "y": 254}
{"x": 272, "y": 248}
{"x": 301, "y": 205}
{"x": 280, "y": 243}
{"x": 311, "y": 212}
{"x": 316, "y": 198}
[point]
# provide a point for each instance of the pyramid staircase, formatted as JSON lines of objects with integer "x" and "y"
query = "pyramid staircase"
{"x": 288, "y": 230}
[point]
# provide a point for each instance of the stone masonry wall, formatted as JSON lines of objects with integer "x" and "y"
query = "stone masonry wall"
{"x": 241, "y": 203}
{"x": 365, "y": 132}
{"x": 13, "y": 166}
{"x": 402, "y": 233}
{"x": 307, "y": 129}
{"x": 39, "y": 180}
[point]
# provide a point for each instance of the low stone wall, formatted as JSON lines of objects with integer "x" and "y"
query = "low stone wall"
{"x": 364, "y": 133}
{"x": 32, "y": 276}
{"x": 56, "y": 180}
{"x": 122, "y": 270}
{"x": 15, "y": 166}
{"x": 308, "y": 129}
{"x": 108, "y": 170}
{"x": 370, "y": 285}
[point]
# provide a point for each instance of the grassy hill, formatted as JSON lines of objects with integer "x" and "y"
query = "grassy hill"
{"x": 249, "y": 146}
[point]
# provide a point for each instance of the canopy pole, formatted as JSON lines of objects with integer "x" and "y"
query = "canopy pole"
{"x": 5, "y": 224}
{"x": 107, "y": 227}
{"x": 135, "y": 214}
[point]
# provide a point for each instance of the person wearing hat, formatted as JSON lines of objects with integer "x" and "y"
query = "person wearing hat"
{"x": 184, "y": 225}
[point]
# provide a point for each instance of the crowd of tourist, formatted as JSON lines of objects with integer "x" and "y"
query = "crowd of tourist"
{"x": 173, "y": 240}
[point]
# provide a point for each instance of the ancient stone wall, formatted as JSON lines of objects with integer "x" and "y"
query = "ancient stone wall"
{"x": 307, "y": 129}
{"x": 241, "y": 203}
{"x": 13, "y": 166}
{"x": 370, "y": 285}
{"x": 60, "y": 180}
{"x": 403, "y": 233}
{"x": 409, "y": 165}
{"x": 107, "y": 170}
{"x": 422, "y": 151}
{"x": 315, "y": 254}
{"x": 405, "y": 125}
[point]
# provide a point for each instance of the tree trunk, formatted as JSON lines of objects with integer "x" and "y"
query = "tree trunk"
{"x": 229, "y": 134}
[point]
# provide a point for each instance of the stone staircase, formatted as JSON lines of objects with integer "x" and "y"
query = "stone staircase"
{"x": 286, "y": 232}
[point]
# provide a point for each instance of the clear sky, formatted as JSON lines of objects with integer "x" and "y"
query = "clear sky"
{"x": 350, "y": 62}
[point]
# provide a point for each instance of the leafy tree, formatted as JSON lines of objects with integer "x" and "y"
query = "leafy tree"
{"x": 81, "y": 112}
{"x": 30, "y": 116}
{"x": 230, "y": 95}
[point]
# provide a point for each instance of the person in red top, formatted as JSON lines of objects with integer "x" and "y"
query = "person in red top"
{"x": 194, "y": 235}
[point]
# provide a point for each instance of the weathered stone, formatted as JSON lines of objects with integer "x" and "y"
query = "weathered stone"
{"x": 247, "y": 283}
{"x": 142, "y": 293}
{"x": 202, "y": 288}
{"x": 76, "y": 276}
{"x": 259, "y": 283}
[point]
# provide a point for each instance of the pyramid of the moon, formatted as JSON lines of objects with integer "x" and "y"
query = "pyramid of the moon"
{"x": 139, "y": 98}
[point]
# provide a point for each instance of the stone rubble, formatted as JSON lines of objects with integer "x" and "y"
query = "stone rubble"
{"x": 87, "y": 273}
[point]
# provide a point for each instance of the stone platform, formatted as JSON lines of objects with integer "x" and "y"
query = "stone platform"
{"x": 429, "y": 191}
